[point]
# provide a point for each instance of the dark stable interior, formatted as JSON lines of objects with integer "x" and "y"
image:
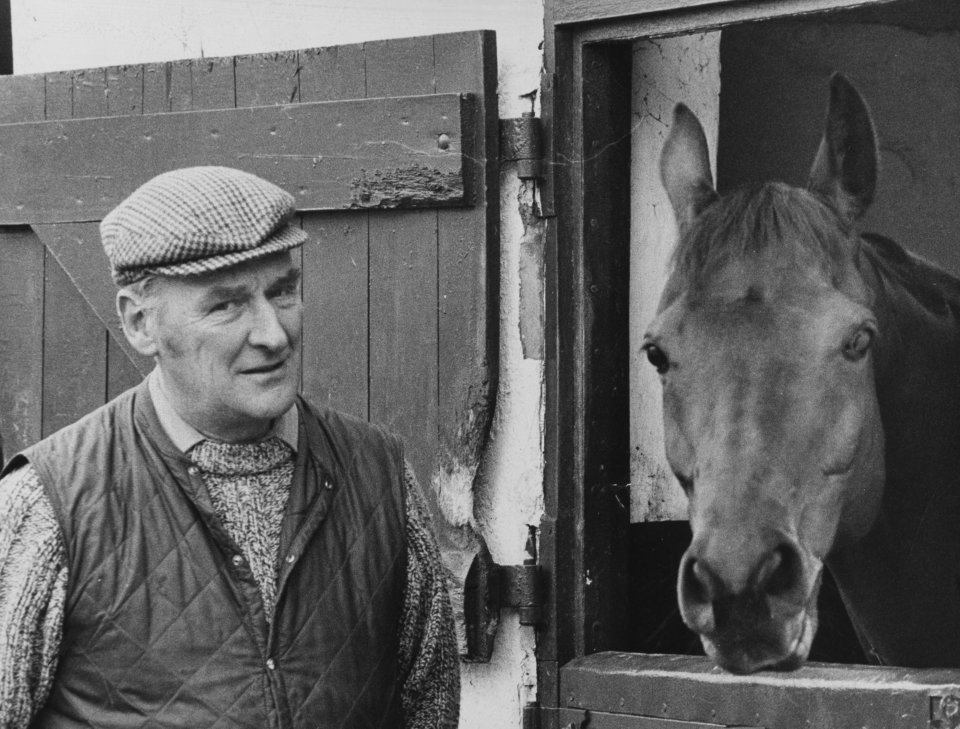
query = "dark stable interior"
{"x": 774, "y": 83}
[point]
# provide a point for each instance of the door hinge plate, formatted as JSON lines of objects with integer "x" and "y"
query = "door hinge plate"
{"x": 488, "y": 588}
{"x": 521, "y": 142}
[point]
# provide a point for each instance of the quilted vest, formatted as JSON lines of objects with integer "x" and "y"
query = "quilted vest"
{"x": 164, "y": 625}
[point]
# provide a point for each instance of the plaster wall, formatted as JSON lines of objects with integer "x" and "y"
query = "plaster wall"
{"x": 51, "y": 35}
{"x": 775, "y": 91}
{"x": 666, "y": 71}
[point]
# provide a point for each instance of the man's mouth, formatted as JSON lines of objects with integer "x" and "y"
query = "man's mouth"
{"x": 265, "y": 369}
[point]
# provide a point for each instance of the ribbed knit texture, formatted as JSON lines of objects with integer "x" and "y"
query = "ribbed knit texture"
{"x": 33, "y": 588}
{"x": 433, "y": 671}
{"x": 249, "y": 484}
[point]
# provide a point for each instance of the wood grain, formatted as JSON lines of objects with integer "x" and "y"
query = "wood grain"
{"x": 74, "y": 352}
{"x": 330, "y": 155}
{"x": 21, "y": 347}
{"x": 336, "y": 311}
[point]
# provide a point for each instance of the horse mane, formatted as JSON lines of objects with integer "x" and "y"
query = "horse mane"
{"x": 754, "y": 218}
{"x": 934, "y": 290}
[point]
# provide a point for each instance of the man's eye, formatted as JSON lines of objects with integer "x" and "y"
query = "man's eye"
{"x": 224, "y": 306}
{"x": 288, "y": 294}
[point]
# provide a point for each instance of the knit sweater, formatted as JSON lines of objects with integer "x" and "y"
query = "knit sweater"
{"x": 248, "y": 489}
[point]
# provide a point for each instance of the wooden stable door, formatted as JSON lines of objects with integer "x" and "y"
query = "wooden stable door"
{"x": 388, "y": 147}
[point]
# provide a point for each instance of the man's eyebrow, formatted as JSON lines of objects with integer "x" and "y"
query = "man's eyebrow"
{"x": 225, "y": 291}
{"x": 290, "y": 277}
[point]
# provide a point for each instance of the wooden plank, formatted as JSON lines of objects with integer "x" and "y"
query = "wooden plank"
{"x": 403, "y": 330}
{"x": 267, "y": 78}
{"x": 74, "y": 352}
{"x": 606, "y": 283}
{"x": 707, "y": 17}
{"x": 21, "y": 98}
{"x": 90, "y": 93}
{"x": 688, "y": 688}
{"x": 335, "y": 260}
{"x": 320, "y": 152}
{"x": 468, "y": 277}
{"x": 582, "y": 11}
{"x": 77, "y": 248}
{"x": 605, "y": 720}
{"x": 167, "y": 87}
{"x": 332, "y": 74}
{"x": 336, "y": 311}
{"x": 468, "y": 263}
{"x": 400, "y": 66}
{"x": 124, "y": 90}
{"x": 214, "y": 83}
{"x": 58, "y": 95}
{"x": 21, "y": 346}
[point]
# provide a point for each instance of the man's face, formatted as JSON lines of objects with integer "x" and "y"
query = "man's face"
{"x": 228, "y": 345}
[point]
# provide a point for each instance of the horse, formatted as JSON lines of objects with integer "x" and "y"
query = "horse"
{"x": 811, "y": 402}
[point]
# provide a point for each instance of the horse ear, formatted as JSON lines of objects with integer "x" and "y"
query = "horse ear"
{"x": 845, "y": 168}
{"x": 685, "y": 168}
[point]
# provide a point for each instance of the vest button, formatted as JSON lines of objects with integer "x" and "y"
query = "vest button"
{"x": 192, "y": 470}
{"x": 270, "y": 664}
{"x": 237, "y": 559}
{"x": 291, "y": 558}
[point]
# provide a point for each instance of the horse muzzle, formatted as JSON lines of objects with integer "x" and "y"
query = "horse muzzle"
{"x": 755, "y": 617}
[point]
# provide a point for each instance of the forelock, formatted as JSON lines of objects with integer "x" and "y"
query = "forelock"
{"x": 753, "y": 219}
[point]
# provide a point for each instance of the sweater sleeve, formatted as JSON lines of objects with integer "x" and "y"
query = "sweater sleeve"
{"x": 33, "y": 582}
{"x": 429, "y": 664}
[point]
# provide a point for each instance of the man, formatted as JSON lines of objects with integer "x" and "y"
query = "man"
{"x": 208, "y": 549}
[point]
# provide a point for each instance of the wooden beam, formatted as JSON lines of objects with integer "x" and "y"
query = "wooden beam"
{"x": 366, "y": 153}
{"x": 692, "y": 689}
{"x": 76, "y": 247}
{"x": 566, "y": 12}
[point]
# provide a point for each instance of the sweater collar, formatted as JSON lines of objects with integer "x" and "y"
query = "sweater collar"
{"x": 185, "y": 436}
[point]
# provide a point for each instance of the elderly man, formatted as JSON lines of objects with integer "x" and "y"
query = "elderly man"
{"x": 209, "y": 549}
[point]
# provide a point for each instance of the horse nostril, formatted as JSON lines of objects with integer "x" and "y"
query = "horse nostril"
{"x": 702, "y": 585}
{"x": 698, "y": 591}
{"x": 779, "y": 573}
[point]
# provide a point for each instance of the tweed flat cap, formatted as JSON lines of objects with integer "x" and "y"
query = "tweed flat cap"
{"x": 195, "y": 220}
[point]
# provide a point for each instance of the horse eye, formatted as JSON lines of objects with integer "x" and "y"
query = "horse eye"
{"x": 858, "y": 345}
{"x": 657, "y": 358}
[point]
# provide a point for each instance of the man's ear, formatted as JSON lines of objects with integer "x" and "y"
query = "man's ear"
{"x": 137, "y": 320}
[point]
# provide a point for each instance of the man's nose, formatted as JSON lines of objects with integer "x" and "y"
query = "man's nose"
{"x": 267, "y": 328}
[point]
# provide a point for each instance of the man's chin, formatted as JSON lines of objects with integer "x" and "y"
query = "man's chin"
{"x": 268, "y": 402}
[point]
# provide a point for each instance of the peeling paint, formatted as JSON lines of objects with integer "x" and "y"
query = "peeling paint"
{"x": 531, "y": 273}
{"x": 405, "y": 187}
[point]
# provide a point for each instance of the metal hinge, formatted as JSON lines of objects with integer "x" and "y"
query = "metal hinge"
{"x": 945, "y": 712}
{"x": 531, "y": 716}
{"x": 520, "y": 142}
{"x": 488, "y": 588}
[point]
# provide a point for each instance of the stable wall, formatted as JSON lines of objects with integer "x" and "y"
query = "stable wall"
{"x": 903, "y": 58}
{"x": 52, "y": 35}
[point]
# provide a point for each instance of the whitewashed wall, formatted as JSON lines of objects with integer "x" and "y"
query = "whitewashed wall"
{"x": 665, "y": 71}
{"x": 52, "y": 35}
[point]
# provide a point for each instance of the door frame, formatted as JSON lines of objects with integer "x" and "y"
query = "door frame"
{"x": 585, "y": 193}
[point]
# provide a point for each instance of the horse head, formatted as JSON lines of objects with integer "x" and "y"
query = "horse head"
{"x": 764, "y": 345}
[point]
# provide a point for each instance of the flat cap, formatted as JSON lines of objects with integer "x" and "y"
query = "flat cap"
{"x": 195, "y": 220}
